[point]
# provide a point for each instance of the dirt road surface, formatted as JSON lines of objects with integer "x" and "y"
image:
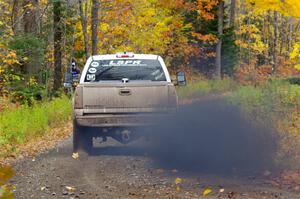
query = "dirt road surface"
{"x": 205, "y": 146}
{"x": 117, "y": 171}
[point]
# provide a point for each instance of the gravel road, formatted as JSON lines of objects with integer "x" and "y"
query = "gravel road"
{"x": 126, "y": 172}
{"x": 193, "y": 153}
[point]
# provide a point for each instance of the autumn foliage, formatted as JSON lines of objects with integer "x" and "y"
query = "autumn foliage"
{"x": 258, "y": 42}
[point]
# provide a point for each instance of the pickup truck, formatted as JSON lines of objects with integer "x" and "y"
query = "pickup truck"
{"x": 118, "y": 93}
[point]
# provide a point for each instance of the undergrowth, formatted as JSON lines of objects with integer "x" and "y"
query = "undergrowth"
{"x": 203, "y": 87}
{"x": 21, "y": 124}
{"x": 275, "y": 103}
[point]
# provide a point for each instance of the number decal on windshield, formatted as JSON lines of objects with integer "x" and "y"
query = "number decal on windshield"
{"x": 92, "y": 70}
{"x": 95, "y": 64}
{"x": 91, "y": 77}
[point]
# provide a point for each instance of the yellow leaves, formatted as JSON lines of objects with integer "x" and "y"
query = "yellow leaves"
{"x": 253, "y": 34}
{"x": 292, "y": 8}
{"x": 70, "y": 189}
{"x": 104, "y": 27}
{"x": 250, "y": 29}
{"x": 28, "y": 6}
{"x": 178, "y": 181}
{"x": 178, "y": 189}
{"x": 265, "y": 5}
{"x": 75, "y": 156}
{"x": 241, "y": 43}
{"x": 286, "y": 7}
{"x": 295, "y": 55}
{"x": 142, "y": 26}
{"x": 32, "y": 81}
{"x": 206, "y": 191}
{"x": 10, "y": 58}
{"x": 6, "y": 173}
{"x": 257, "y": 46}
{"x": 5, "y": 193}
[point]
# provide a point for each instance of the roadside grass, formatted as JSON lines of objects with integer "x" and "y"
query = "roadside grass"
{"x": 203, "y": 87}
{"x": 278, "y": 105}
{"x": 20, "y": 125}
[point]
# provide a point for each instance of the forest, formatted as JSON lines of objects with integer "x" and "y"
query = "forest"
{"x": 248, "y": 50}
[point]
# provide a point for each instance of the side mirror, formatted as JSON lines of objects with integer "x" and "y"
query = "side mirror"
{"x": 68, "y": 80}
{"x": 181, "y": 79}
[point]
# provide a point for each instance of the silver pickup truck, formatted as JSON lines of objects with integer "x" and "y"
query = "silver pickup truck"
{"x": 118, "y": 93}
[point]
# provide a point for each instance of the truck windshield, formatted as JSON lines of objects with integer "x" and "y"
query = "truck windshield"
{"x": 132, "y": 69}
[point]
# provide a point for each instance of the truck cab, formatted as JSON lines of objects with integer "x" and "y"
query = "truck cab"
{"x": 118, "y": 93}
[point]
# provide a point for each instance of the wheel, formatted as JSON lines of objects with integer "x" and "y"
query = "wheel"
{"x": 82, "y": 139}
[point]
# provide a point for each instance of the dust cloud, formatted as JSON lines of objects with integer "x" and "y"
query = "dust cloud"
{"x": 211, "y": 136}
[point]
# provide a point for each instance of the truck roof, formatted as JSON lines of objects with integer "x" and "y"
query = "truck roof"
{"x": 114, "y": 56}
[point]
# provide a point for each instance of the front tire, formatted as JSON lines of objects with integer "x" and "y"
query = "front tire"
{"x": 82, "y": 139}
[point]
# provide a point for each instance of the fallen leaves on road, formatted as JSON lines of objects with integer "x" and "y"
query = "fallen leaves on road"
{"x": 206, "y": 191}
{"x": 178, "y": 181}
{"x": 178, "y": 188}
{"x": 70, "y": 189}
{"x": 75, "y": 156}
{"x": 221, "y": 190}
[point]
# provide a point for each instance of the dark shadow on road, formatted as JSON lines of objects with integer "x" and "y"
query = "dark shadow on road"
{"x": 208, "y": 136}
{"x": 119, "y": 151}
{"x": 213, "y": 136}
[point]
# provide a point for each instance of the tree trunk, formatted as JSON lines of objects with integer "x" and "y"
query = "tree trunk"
{"x": 218, "y": 66}
{"x": 95, "y": 24}
{"x": 275, "y": 61}
{"x": 30, "y": 16}
{"x": 249, "y": 42}
{"x": 15, "y": 17}
{"x": 83, "y": 16}
{"x": 232, "y": 13}
{"x": 290, "y": 35}
{"x": 57, "y": 45}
